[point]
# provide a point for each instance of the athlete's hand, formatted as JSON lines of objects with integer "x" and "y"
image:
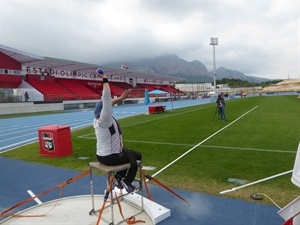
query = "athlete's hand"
{"x": 101, "y": 75}
{"x": 125, "y": 94}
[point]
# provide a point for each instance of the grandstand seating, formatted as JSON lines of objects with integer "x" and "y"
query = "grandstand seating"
{"x": 170, "y": 89}
{"x": 150, "y": 87}
{"x": 96, "y": 86}
{"x": 70, "y": 89}
{"x": 137, "y": 93}
{"x": 115, "y": 89}
{"x": 52, "y": 90}
{"x": 77, "y": 87}
{"x": 10, "y": 80}
{"x": 122, "y": 85}
{"x": 167, "y": 88}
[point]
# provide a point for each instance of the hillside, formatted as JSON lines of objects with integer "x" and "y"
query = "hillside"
{"x": 286, "y": 85}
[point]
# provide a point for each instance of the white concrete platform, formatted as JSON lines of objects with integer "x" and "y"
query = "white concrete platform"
{"x": 291, "y": 210}
{"x": 156, "y": 212}
{"x": 76, "y": 210}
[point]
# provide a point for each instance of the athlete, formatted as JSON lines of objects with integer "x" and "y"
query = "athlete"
{"x": 110, "y": 150}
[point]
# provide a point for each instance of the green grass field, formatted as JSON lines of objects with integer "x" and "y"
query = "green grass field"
{"x": 259, "y": 140}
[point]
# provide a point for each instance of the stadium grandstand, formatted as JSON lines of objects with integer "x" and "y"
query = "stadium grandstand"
{"x": 52, "y": 80}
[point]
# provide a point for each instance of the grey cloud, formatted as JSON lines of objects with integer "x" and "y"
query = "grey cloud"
{"x": 259, "y": 38}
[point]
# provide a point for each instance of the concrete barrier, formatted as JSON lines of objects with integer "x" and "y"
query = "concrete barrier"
{"x": 28, "y": 107}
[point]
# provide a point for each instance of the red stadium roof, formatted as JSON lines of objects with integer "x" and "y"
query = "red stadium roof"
{"x": 32, "y": 60}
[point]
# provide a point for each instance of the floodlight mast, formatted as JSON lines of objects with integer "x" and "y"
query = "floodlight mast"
{"x": 214, "y": 42}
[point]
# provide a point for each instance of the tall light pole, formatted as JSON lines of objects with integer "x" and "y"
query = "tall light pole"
{"x": 214, "y": 42}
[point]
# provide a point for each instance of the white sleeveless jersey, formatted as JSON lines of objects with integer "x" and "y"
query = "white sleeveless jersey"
{"x": 107, "y": 129}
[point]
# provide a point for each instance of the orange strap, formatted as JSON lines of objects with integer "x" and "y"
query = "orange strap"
{"x": 146, "y": 186}
{"x": 165, "y": 187}
{"x": 130, "y": 220}
{"x": 62, "y": 186}
{"x": 105, "y": 199}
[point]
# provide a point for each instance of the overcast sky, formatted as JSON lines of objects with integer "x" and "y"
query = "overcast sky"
{"x": 257, "y": 38}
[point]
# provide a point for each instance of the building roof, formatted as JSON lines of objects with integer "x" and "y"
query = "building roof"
{"x": 32, "y": 60}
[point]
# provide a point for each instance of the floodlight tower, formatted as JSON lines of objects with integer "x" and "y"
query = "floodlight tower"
{"x": 214, "y": 42}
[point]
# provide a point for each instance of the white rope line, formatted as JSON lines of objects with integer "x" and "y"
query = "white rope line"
{"x": 256, "y": 182}
{"x": 171, "y": 163}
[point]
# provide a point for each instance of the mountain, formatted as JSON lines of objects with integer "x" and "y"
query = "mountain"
{"x": 222, "y": 72}
{"x": 259, "y": 79}
{"x": 170, "y": 65}
{"x": 194, "y": 71}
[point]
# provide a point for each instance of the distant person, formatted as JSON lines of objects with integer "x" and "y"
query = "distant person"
{"x": 26, "y": 96}
{"x": 110, "y": 150}
{"x": 221, "y": 107}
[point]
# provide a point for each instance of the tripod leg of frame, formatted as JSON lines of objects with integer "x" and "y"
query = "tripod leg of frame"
{"x": 216, "y": 111}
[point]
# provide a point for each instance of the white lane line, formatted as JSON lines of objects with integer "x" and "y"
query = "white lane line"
{"x": 16, "y": 137}
{"x": 38, "y": 201}
{"x": 171, "y": 163}
{"x": 16, "y": 145}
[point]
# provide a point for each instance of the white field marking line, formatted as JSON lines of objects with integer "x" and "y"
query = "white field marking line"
{"x": 133, "y": 124}
{"x": 38, "y": 201}
{"x": 87, "y": 136}
{"x": 212, "y": 146}
{"x": 158, "y": 172}
{"x": 256, "y": 182}
{"x": 202, "y": 146}
{"x": 250, "y": 149}
{"x": 160, "y": 118}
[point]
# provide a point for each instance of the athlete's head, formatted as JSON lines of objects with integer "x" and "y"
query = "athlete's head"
{"x": 98, "y": 109}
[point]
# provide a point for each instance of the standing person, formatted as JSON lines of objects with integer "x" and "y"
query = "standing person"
{"x": 221, "y": 107}
{"x": 26, "y": 96}
{"x": 110, "y": 150}
{"x": 224, "y": 106}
